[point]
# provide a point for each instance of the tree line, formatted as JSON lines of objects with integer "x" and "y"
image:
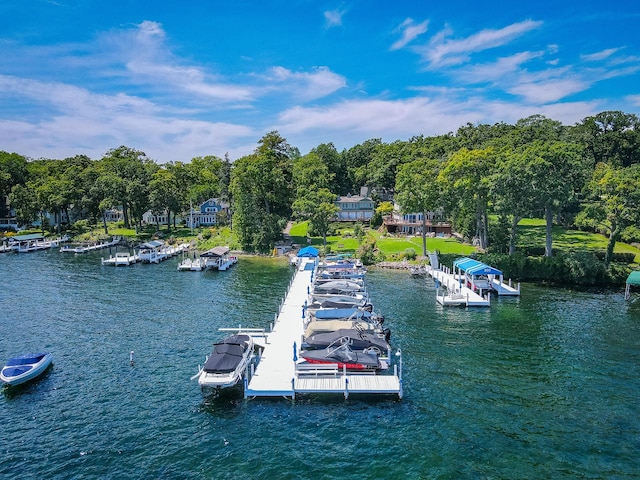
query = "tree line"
{"x": 586, "y": 175}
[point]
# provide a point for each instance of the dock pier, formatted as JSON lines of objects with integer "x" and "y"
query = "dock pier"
{"x": 279, "y": 373}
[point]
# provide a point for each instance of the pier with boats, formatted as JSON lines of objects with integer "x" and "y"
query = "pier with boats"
{"x": 469, "y": 284}
{"x": 326, "y": 338}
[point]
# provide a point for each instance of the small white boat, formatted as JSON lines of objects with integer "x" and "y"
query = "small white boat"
{"x": 25, "y": 367}
{"x": 226, "y": 364}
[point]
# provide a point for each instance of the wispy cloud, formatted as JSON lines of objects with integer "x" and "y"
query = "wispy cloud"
{"x": 409, "y": 30}
{"x": 333, "y": 18}
{"x": 598, "y": 56}
{"x": 443, "y": 50}
{"x": 305, "y": 85}
{"x": 498, "y": 70}
{"x": 74, "y": 120}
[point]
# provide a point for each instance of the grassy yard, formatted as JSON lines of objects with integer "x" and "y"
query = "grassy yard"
{"x": 532, "y": 233}
{"x": 390, "y": 245}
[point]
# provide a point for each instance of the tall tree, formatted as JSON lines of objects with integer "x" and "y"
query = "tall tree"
{"x": 557, "y": 172}
{"x": 313, "y": 200}
{"x": 612, "y": 137}
{"x": 417, "y": 190}
{"x": 614, "y": 201}
{"x": 466, "y": 177}
{"x": 261, "y": 186}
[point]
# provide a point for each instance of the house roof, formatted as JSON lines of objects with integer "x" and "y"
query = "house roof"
{"x": 353, "y": 198}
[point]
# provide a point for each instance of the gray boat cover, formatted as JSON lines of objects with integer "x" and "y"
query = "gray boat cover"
{"x": 228, "y": 354}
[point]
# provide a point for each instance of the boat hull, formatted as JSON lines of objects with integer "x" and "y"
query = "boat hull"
{"x": 25, "y": 368}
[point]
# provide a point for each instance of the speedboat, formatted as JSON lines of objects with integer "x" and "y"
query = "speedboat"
{"x": 341, "y": 354}
{"x": 356, "y": 339}
{"x": 25, "y": 367}
{"x": 227, "y": 362}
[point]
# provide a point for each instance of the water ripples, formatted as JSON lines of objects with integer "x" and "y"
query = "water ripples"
{"x": 545, "y": 385}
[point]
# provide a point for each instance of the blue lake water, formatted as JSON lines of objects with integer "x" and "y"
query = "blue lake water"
{"x": 541, "y": 386}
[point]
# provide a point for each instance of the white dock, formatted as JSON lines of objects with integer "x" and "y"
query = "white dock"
{"x": 279, "y": 375}
{"x": 503, "y": 288}
{"x": 452, "y": 292}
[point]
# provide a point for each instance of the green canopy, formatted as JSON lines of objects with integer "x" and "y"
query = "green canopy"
{"x": 634, "y": 278}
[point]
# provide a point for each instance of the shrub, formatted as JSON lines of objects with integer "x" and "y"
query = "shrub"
{"x": 410, "y": 254}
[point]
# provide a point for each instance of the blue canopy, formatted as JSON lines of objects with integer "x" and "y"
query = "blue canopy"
{"x": 474, "y": 267}
{"x": 308, "y": 252}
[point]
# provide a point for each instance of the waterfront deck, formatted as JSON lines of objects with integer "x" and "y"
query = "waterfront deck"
{"x": 277, "y": 374}
{"x": 452, "y": 292}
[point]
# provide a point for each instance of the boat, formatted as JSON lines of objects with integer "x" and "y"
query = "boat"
{"x": 227, "y": 362}
{"x": 338, "y": 286}
{"x": 344, "y": 298}
{"x": 25, "y": 367}
{"x": 357, "y": 340}
{"x": 324, "y": 326}
{"x": 353, "y": 313}
{"x": 341, "y": 354}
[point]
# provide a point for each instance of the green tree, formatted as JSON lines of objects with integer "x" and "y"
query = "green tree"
{"x": 261, "y": 188}
{"x": 614, "y": 201}
{"x": 13, "y": 171}
{"x": 466, "y": 179}
{"x": 558, "y": 173}
{"x": 417, "y": 190}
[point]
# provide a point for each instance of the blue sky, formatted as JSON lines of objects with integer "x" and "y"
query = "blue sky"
{"x": 184, "y": 79}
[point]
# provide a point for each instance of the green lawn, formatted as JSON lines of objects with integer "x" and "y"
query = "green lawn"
{"x": 532, "y": 233}
{"x": 389, "y": 245}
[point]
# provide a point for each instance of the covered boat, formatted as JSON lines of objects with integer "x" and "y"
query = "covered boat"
{"x": 341, "y": 354}
{"x": 356, "y": 339}
{"x": 25, "y": 367}
{"x": 227, "y": 362}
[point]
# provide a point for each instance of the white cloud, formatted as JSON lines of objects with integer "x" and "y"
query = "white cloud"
{"x": 601, "y": 55}
{"x": 547, "y": 91}
{"x": 410, "y": 30}
{"x": 442, "y": 51}
{"x": 498, "y": 70}
{"x": 79, "y": 121}
{"x": 305, "y": 85}
{"x": 333, "y": 18}
{"x": 634, "y": 99}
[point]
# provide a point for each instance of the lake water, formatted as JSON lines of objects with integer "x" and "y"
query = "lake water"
{"x": 541, "y": 386}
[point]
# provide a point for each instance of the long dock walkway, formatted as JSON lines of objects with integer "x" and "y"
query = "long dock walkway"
{"x": 279, "y": 375}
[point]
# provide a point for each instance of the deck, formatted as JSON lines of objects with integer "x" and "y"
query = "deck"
{"x": 451, "y": 292}
{"x": 276, "y": 374}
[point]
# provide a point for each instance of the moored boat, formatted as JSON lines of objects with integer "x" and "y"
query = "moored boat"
{"x": 25, "y": 367}
{"x": 226, "y": 364}
{"x": 357, "y": 340}
{"x": 342, "y": 355}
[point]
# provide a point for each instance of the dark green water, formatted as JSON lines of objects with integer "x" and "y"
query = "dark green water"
{"x": 541, "y": 386}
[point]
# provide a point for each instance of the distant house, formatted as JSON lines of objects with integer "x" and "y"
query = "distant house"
{"x": 160, "y": 219}
{"x": 208, "y": 213}
{"x": 411, "y": 223}
{"x": 114, "y": 215}
{"x": 355, "y": 208}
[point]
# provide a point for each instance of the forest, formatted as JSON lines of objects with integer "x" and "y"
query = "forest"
{"x": 485, "y": 178}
